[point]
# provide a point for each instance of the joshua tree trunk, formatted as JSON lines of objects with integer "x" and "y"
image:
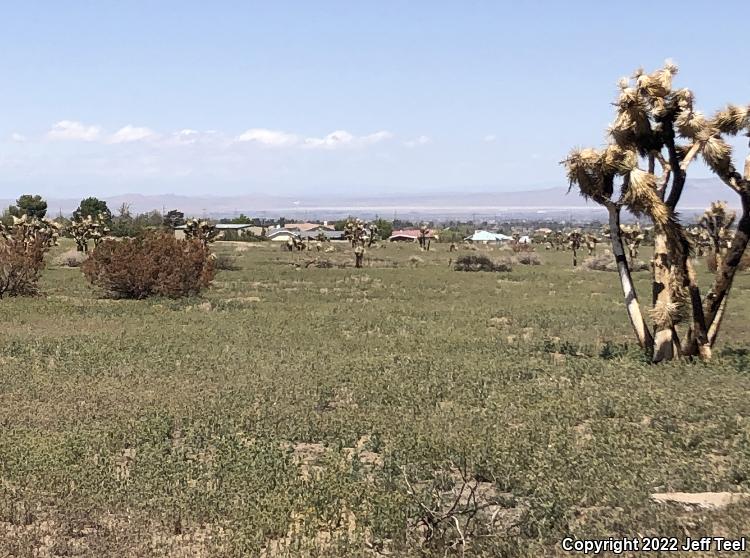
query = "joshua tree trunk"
{"x": 664, "y": 333}
{"x": 359, "y": 253}
{"x": 716, "y": 297}
{"x": 628, "y": 288}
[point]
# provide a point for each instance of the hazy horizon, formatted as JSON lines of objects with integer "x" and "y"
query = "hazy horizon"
{"x": 333, "y": 98}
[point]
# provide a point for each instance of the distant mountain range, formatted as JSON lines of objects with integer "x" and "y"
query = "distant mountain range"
{"x": 698, "y": 194}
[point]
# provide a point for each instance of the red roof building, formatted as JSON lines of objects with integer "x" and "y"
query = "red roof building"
{"x": 408, "y": 234}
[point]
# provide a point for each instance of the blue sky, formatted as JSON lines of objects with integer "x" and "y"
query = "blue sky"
{"x": 348, "y": 97}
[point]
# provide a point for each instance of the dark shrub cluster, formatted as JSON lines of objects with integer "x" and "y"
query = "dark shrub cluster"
{"x": 606, "y": 262}
{"x": 21, "y": 263}
{"x": 527, "y": 258}
{"x": 156, "y": 263}
{"x": 472, "y": 262}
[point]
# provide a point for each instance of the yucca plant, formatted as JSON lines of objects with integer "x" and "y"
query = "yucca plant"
{"x": 657, "y": 126}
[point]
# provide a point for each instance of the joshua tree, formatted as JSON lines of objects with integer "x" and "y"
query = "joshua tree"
{"x": 88, "y": 228}
{"x": 591, "y": 242}
{"x": 372, "y": 234}
{"x": 633, "y": 236}
{"x": 699, "y": 239}
{"x": 717, "y": 221}
{"x": 575, "y": 238}
{"x": 543, "y": 236}
{"x": 423, "y": 238}
{"x": 359, "y": 234}
{"x": 359, "y": 254}
{"x": 295, "y": 242}
{"x": 31, "y": 230}
{"x": 202, "y": 230}
{"x": 656, "y": 124}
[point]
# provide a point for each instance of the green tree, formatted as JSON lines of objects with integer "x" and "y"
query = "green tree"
{"x": 242, "y": 219}
{"x": 174, "y": 218}
{"x": 385, "y": 228}
{"x": 93, "y": 207}
{"x": 31, "y": 205}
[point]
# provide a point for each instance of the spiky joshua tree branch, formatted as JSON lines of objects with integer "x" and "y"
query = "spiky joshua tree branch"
{"x": 656, "y": 125}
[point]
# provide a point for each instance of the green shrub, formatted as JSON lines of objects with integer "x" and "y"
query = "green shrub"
{"x": 156, "y": 263}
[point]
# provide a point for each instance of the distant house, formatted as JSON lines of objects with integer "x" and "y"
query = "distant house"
{"x": 330, "y": 235}
{"x": 409, "y": 235}
{"x": 487, "y": 236}
{"x": 280, "y": 235}
{"x": 304, "y": 227}
{"x": 241, "y": 229}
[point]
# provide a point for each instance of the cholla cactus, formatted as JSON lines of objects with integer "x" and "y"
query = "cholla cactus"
{"x": 717, "y": 221}
{"x": 88, "y": 228}
{"x": 658, "y": 125}
{"x": 202, "y": 230}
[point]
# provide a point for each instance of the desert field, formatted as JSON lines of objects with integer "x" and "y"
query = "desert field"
{"x": 401, "y": 409}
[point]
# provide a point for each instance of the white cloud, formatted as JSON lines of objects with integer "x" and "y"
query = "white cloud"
{"x": 186, "y": 135}
{"x": 342, "y": 138}
{"x": 489, "y": 138}
{"x": 17, "y": 138}
{"x": 377, "y": 137}
{"x": 272, "y": 138}
{"x": 421, "y": 140}
{"x": 131, "y": 133}
{"x": 72, "y": 130}
{"x": 339, "y": 138}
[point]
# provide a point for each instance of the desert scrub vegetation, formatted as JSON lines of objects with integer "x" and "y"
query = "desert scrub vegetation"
{"x": 154, "y": 264}
{"x": 23, "y": 245}
{"x": 342, "y": 412}
{"x": 480, "y": 262}
{"x": 658, "y": 125}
